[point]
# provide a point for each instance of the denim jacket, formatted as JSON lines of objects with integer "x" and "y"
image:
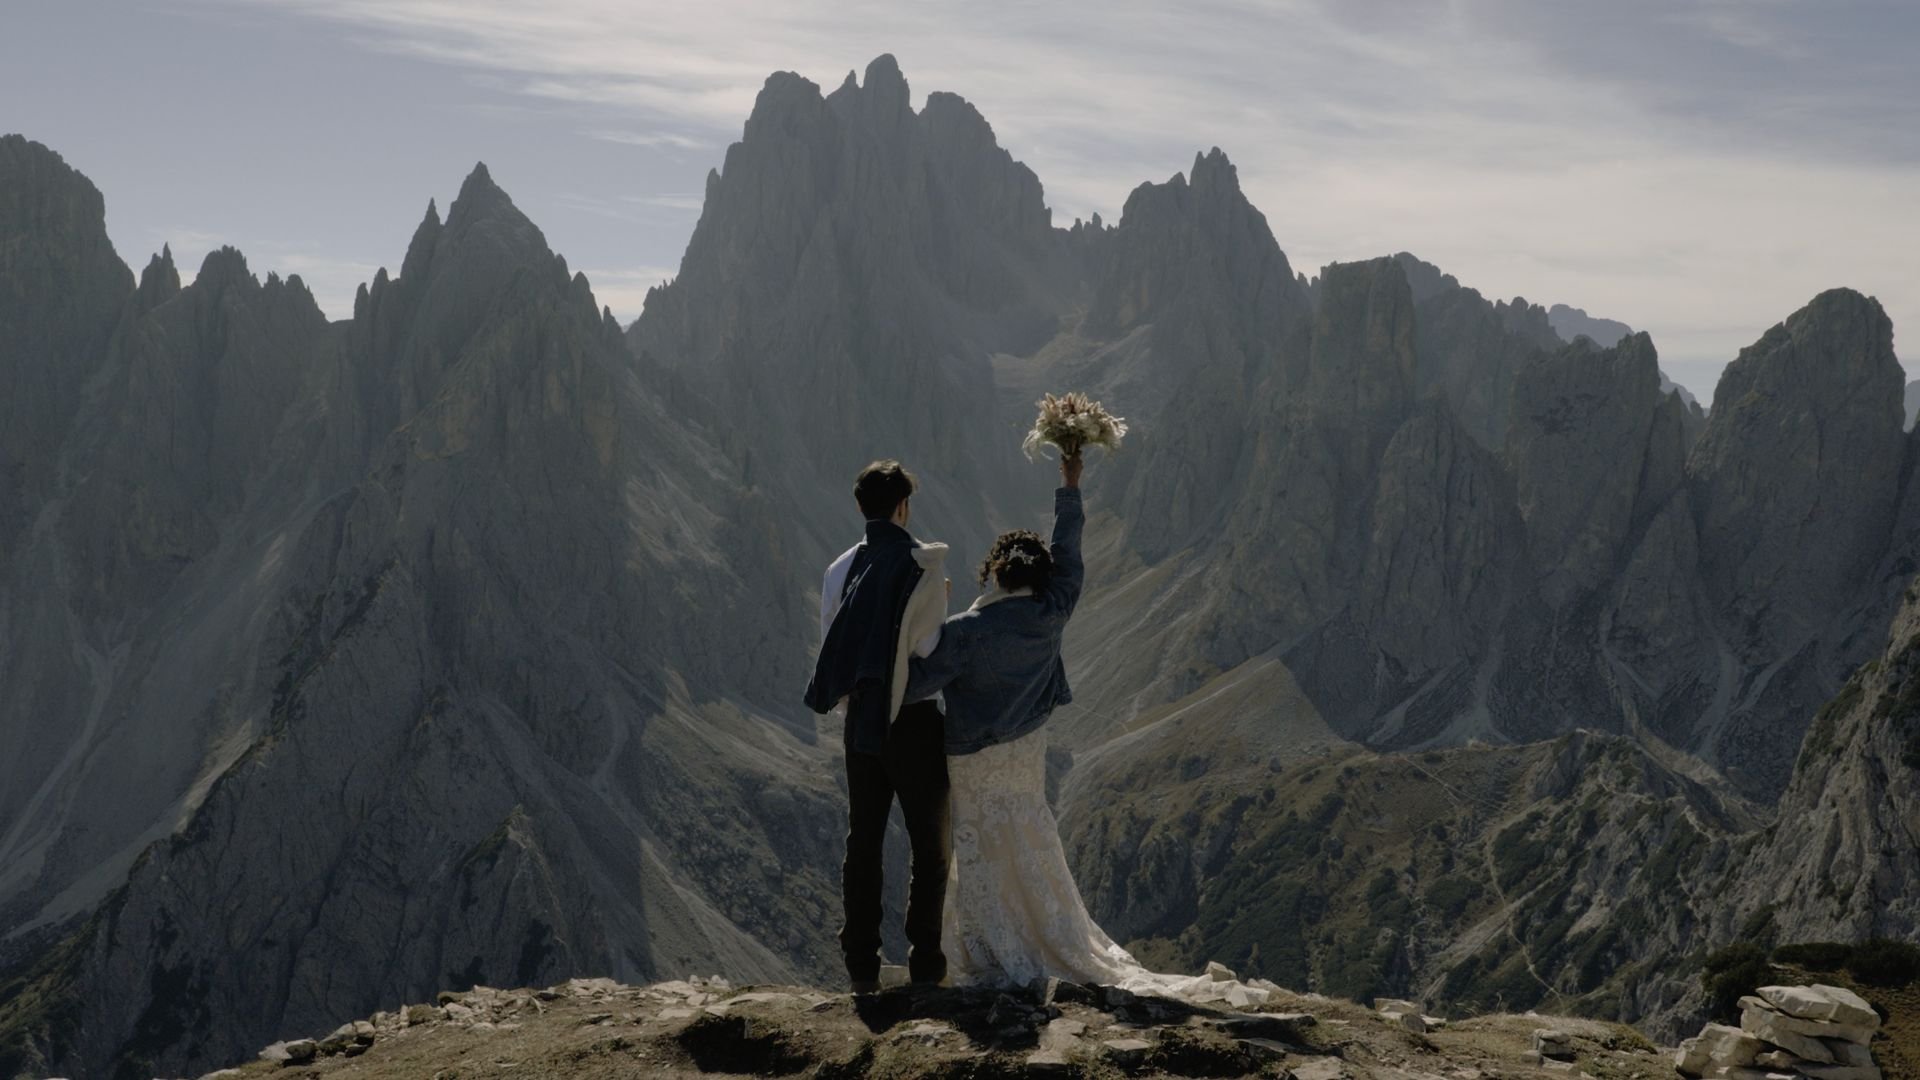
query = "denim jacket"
{"x": 998, "y": 663}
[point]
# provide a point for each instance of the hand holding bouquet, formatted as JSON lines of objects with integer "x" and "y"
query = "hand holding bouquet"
{"x": 1071, "y": 423}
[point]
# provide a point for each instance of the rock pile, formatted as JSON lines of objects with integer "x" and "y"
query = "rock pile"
{"x": 1406, "y": 1014}
{"x": 1820, "y": 1032}
{"x": 1551, "y": 1048}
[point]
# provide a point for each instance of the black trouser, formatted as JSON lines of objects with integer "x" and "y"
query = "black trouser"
{"x": 913, "y": 768}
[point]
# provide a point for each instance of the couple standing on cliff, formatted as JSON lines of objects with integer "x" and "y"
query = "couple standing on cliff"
{"x": 991, "y": 899}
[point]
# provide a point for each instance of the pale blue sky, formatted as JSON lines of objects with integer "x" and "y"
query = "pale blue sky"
{"x": 1698, "y": 168}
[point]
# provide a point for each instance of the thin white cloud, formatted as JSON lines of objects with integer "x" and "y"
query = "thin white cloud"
{"x": 670, "y": 200}
{"x": 1733, "y": 22}
{"x": 635, "y": 209}
{"x": 647, "y": 138}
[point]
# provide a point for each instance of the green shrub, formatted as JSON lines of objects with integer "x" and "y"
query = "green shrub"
{"x": 1517, "y": 854}
{"x": 1815, "y": 955}
{"x": 1884, "y": 962}
{"x": 1819, "y": 741}
{"x": 1662, "y": 869}
{"x": 1732, "y": 973}
{"x": 1451, "y": 895}
{"x": 1879, "y": 961}
{"x": 1513, "y": 988}
{"x": 1733, "y": 956}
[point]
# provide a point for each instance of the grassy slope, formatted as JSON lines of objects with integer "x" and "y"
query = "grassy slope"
{"x": 1474, "y": 877}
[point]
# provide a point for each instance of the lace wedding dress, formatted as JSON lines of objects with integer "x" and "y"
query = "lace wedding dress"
{"x": 1013, "y": 912}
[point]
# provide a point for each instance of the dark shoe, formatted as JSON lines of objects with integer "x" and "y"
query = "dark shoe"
{"x": 866, "y": 986}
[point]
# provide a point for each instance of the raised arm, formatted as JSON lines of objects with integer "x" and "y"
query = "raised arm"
{"x": 1069, "y": 518}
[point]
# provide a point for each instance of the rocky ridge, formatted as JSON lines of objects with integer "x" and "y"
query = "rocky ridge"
{"x": 1471, "y": 350}
{"x": 1629, "y": 635}
{"x": 1841, "y": 862}
{"x": 1571, "y": 323}
{"x": 394, "y": 629}
{"x": 1268, "y": 477}
{"x": 707, "y": 1026}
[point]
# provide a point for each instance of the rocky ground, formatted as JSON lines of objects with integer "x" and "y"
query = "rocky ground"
{"x": 598, "y": 1028}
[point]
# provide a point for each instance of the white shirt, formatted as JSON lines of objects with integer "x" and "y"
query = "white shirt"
{"x": 836, "y": 582}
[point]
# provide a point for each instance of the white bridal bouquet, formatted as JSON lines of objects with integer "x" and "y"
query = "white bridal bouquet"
{"x": 1072, "y": 422}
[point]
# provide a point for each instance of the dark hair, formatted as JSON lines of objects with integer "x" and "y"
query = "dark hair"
{"x": 1018, "y": 560}
{"x": 880, "y": 489}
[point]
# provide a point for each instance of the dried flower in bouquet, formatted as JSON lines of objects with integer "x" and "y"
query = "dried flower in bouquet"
{"x": 1071, "y": 423}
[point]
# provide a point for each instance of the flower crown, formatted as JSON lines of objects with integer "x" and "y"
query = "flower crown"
{"x": 1021, "y": 556}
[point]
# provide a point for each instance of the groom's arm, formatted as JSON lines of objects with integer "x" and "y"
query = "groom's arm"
{"x": 928, "y": 675}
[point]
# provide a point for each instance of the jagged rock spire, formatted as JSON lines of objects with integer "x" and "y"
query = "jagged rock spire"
{"x": 420, "y": 249}
{"x": 159, "y": 282}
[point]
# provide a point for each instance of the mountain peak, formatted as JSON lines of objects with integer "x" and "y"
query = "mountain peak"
{"x": 223, "y": 266}
{"x": 885, "y": 80}
{"x": 1840, "y": 334}
{"x": 788, "y": 102}
{"x": 1213, "y": 172}
{"x": 39, "y": 168}
{"x": 1814, "y": 406}
{"x": 160, "y": 281}
{"x": 482, "y": 207}
{"x": 880, "y": 105}
{"x": 478, "y": 193}
{"x": 1424, "y": 278}
{"x": 1197, "y": 224}
{"x": 1572, "y": 322}
{"x": 425, "y": 236}
{"x": 1848, "y": 305}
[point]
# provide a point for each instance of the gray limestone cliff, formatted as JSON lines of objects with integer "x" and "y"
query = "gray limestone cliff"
{"x": 1471, "y": 350}
{"x": 1580, "y": 442}
{"x": 61, "y": 290}
{"x": 1843, "y": 862}
{"x": 1572, "y": 323}
{"x": 403, "y": 686}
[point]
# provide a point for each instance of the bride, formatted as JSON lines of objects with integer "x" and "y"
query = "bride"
{"x": 1013, "y": 912}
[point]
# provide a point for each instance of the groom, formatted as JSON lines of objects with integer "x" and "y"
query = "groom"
{"x": 883, "y": 601}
